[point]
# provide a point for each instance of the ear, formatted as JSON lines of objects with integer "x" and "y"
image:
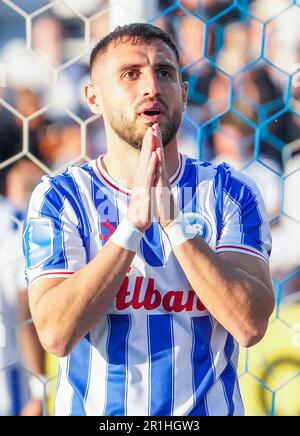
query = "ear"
{"x": 184, "y": 87}
{"x": 93, "y": 99}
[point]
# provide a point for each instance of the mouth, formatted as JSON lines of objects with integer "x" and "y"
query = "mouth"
{"x": 152, "y": 112}
{"x": 152, "y": 115}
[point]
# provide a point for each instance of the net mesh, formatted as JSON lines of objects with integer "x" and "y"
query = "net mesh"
{"x": 242, "y": 61}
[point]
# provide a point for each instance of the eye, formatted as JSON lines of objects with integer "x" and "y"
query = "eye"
{"x": 132, "y": 74}
{"x": 164, "y": 73}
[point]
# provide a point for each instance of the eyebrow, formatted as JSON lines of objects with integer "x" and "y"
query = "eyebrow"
{"x": 157, "y": 65}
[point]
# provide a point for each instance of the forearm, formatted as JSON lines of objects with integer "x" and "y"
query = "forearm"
{"x": 236, "y": 299}
{"x": 64, "y": 311}
{"x": 31, "y": 349}
{"x": 69, "y": 310}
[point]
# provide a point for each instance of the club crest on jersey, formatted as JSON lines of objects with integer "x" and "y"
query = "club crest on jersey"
{"x": 201, "y": 224}
{"x": 38, "y": 241}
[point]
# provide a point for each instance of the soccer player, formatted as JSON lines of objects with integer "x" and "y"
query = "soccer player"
{"x": 146, "y": 268}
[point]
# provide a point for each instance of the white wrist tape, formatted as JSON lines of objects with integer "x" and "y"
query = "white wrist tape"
{"x": 180, "y": 230}
{"x": 38, "y": 386}
{"x": 127, "y": 235}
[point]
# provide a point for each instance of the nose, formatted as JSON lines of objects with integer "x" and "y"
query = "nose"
{"x": 150, "y": 86}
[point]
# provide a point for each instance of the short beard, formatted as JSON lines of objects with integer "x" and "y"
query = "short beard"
{"x": 128, "y": 133}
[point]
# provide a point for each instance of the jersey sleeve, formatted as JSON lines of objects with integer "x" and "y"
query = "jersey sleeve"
{"x": 245, "y": 226}
{"x": 52, "y": 243}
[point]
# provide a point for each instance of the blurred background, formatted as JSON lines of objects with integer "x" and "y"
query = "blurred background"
{"x": 242, "y": 61}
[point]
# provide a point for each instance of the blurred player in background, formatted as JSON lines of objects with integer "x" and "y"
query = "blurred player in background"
{"x": 21, "y": 392}
{"x": 146, "y": 268}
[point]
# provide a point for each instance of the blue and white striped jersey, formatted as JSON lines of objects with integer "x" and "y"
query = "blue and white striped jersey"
{"x": 158, "y": 351}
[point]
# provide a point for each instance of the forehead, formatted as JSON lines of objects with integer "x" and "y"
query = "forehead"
{"x": 154, "y": 51}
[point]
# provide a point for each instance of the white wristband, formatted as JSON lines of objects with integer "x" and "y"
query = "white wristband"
{"x": 180, "y": 230}
{"x": 127, "y": 235}
{"x": 38, "y": 386}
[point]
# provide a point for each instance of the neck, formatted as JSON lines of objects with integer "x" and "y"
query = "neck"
{"x": 121, "y": 161}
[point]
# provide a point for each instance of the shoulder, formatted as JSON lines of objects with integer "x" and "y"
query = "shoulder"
{"x": 222, "y": 180}
{"x": 54, "y": 192}
{"x": 66, "y": 182}
{"x": 207, "y": 168}
{"x": 221, "y": 173}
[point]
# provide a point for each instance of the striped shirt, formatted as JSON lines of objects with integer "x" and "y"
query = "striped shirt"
{"x": 158, "y": 350}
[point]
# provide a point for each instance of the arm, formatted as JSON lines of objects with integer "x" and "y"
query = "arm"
{"x": 235, "y": 288}
{"x": 64, "y": 310}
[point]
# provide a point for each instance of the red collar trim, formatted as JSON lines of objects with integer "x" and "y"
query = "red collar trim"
{"x": 113, "y": 184}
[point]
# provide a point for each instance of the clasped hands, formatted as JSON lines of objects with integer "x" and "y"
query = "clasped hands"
{"x": 151, "y": 194}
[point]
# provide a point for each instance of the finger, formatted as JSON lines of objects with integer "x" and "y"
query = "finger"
{"x": 159, "y": 146}
{"x": 156, "y": 137}
{"x": 159, "y": 154}
{"x": 145, "y": 155}
{"x": 159, "y": 171}
{"x": 151, "y": 170}
{"x": 147, "y": 145}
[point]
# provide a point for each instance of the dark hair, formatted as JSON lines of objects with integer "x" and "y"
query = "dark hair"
{"x": 135, "y": 32}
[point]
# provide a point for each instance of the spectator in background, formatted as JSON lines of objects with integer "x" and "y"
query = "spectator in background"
{"x": 282, "y": 32}
{"x": 234, "y": 143}
{"x": 205, "y": 8}
{"x": 53, "y": 44}
{"x": 47, "y": 40}
{"x": 21, "y": 393}
{"x": 260, "y": 86}
{"x": 28, "y": 103}
{"x": 286, "y": 235}
{"x": 59, "y": 144}
{"x": 235, "y": 52}
{"x": 54, "y": 143}
{"x": 258, "y": 89}
{"x": 100, "y": 24}
{"x": 11, "y": 128}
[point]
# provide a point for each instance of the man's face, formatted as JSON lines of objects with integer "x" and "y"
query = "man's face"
{"x": 139, "y": 85}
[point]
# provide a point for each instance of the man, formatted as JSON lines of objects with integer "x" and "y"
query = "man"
{"x": 144, "y": 312}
